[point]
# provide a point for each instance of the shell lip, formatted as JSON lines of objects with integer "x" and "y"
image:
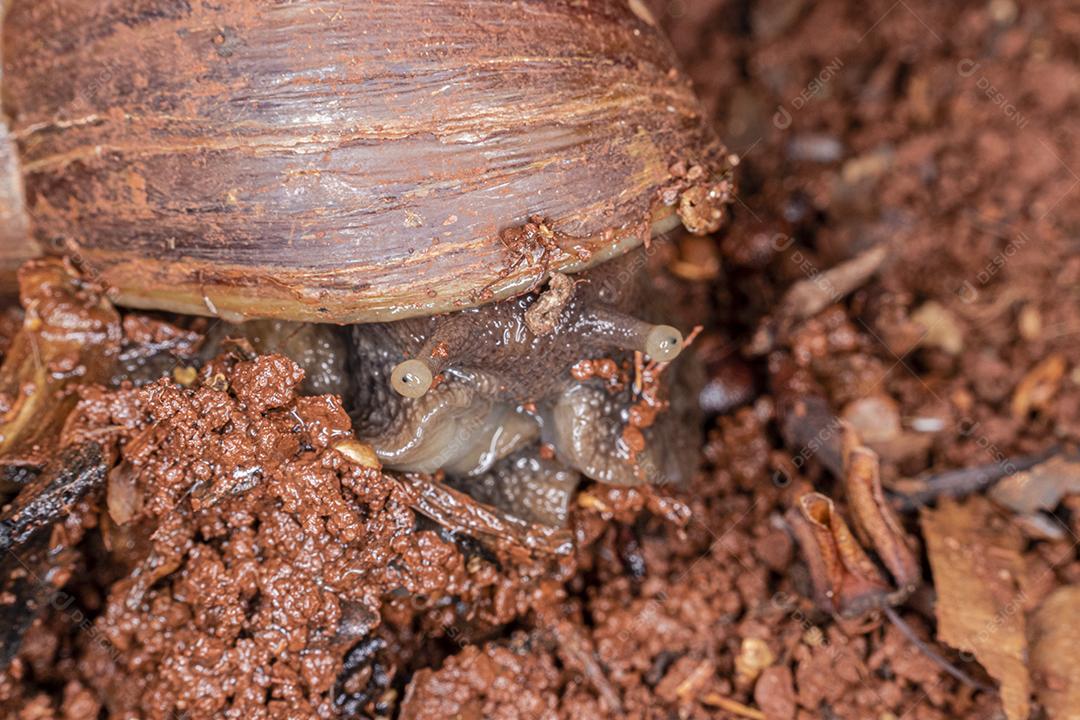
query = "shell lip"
{"x": 691, "y": 198}
{"x": 240, "y": 293}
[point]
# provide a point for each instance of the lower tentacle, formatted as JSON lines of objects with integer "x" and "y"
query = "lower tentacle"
{"x": 458, "y": 426}
{"x": 586, "y": 427}
{"x": 503, "y": 432}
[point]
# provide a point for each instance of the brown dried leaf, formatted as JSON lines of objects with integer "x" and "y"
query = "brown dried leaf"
{"x": 978, "y": 574}
{"x": 844, "y": 578}
{"x": 874, "y": 520}
{"x": 1055, "y": 653}
{"x": 458, "y": 512}
{"x": 1040, "y": 488}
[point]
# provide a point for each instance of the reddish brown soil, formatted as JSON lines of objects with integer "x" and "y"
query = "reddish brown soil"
{"x": 937, "y": 128}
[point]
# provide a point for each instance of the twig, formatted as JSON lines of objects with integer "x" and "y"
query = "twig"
{"x": 956, "y": 483}
{"x": 937, "y": 659}
{"x": 808, "y": 297}
{"x": 577, "y": 651}
{"x": 458, "y": 512}
{"x": 732, "y": 706}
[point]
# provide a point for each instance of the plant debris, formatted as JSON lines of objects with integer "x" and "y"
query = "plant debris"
{"x": 846, "y": 580}
{"x": 70, "y": 336}
{"x": 980, "y": 577}
{"x": 543, "y": 315}
{"x": 1041, "y": 488}
{"x": 1055, "y": 653}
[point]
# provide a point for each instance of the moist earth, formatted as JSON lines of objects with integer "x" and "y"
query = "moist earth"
{"x": 247, "y": 561}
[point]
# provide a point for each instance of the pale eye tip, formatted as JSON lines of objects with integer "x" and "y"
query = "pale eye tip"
{"x": 411, "y": 378}
{"x": 664, "y": 343}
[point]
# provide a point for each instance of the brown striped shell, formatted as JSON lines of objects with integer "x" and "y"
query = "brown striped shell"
{"x": 349, "y": 161}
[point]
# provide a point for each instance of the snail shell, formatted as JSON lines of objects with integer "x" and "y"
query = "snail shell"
{"x": 348, "y": 162}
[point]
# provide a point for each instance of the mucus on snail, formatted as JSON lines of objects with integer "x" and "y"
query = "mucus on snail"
{"x": 412, "y": 170}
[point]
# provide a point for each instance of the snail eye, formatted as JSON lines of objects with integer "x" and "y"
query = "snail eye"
{"x": 411, "y": 378}
{"x": 663, "y": 343}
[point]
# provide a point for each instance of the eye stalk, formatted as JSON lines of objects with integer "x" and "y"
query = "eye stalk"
{"x": 662, "y": 343}
{"x": 411, "y": 378}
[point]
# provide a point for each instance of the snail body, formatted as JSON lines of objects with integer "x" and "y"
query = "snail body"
{"x": 416, "y": 170}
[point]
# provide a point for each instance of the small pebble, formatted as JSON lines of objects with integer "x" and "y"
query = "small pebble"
{"x": 815, "y": 148}
{"x": 927, "y": 424}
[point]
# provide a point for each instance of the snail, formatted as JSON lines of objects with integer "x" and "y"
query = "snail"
{"x": 467, "y": 187}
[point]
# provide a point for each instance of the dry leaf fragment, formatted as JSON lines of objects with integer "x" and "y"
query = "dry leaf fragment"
{"x": 1055, "y": 653}
{"x": 874, "y": 520}
{"x": 71, "y": 335}
{"x": 1040, "y": 488}
{"x": 845, "y": 579}
{"x": 458, "y": 512}
{"x": 1039, "y": 386}
{"x": 978, "y": 573}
